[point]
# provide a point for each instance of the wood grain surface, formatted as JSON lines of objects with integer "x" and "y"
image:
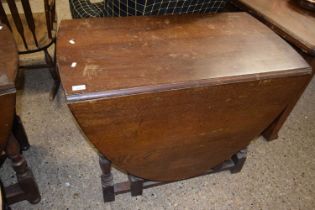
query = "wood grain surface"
{"x": 179, "y": 134}
{"x": 168, "y": 98}
{"x": 8, "y": 71}
{"x": 295, "y": 24}
{"x": 8, "y": 59}
{"x": 118, "y": 56}
{"x": 7, "y": 110}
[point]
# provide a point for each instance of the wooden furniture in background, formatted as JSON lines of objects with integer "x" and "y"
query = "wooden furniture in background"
{"x": 168, "y": 98}
{"x": 33, "y": 32}
{"x": 12, "y": 133}
{"x": 307, "y": 4}
{"x": 294, "y": 24}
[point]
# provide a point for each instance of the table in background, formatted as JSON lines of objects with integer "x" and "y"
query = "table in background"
{"x": 294, "y": 24}
{"x": 12, "y": 134}
{"x": 168, "y": 98}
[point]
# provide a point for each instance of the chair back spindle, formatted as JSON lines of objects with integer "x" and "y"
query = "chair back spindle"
{"x": 33, "y": 32}
{"x": 17, "y": 20}
{"x": 3, "y": 17}
{"x": 29, "y": 18}
{"x": 26, "y": 25}
{"x": 48, "y": 17}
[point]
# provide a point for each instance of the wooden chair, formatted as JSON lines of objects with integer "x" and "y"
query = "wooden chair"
{"x": 33, "y": 32}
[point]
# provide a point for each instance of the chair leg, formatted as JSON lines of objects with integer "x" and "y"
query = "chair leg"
{"x": 20, "y": 79}
{"x": 54, "y": 73}
{"x": 54, "y": 89}
{"x": 26, "y": 188}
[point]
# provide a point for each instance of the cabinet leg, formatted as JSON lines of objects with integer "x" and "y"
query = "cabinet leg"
{"x": 136, "y": 185}
{"x": 26, "y": 188}
{"x": 107, "y": 179}
{"x": 239, "y": 160}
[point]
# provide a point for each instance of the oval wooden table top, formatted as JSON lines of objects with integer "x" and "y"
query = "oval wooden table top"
{"x": 295, "y": 24}
{"x": 167, "y": 98}
{"x": 166, "y": 51}
{"x": 8, "y": 59}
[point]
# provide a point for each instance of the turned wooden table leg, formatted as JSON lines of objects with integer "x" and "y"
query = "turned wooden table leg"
{"x": 20, "y": 134}
{"x": 107, "y": 179}
{"x": 26, "y": 188}
{"x": 136, "y": 185}
{"x": 239, "y": 160}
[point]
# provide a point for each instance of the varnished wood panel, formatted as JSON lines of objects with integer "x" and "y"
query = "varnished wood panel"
{"x": 8, "y": 59}
{"x": 7, "y": 110}
{"x": 8, "y": 70}
{"x": 286, "y": 17}
{"x": 141, "y": 54}
{"x": 177, "y": 134}
{"x": 271, "y": 133}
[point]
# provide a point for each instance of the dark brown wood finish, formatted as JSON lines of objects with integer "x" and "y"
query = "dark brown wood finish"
{"x": 167, "y": 98}
{"x": 164, "y": 135}
{"x": 8, "y": 59}
{"x": 167, "y": 51}
{"x": 8, "y": 71}
{"x": 307, "y": 4}
{"x": 136, "y": 185}
{"x": 10, "y": 124}
{"x": 7, "y": 108}
{"x": 295, "y": 24}
{"x": 26, "y": 187}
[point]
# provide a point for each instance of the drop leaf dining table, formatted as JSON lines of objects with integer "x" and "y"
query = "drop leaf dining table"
{"x": 169, "y": 98}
